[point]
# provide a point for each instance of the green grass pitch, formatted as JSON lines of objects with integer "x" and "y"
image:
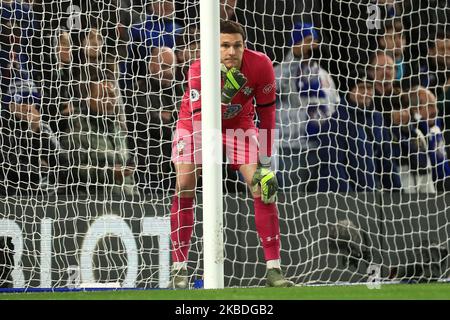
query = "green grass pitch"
{"x": 434, "y": 291}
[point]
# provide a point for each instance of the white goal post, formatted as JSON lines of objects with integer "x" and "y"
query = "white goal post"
{"x": 211, "y": 146}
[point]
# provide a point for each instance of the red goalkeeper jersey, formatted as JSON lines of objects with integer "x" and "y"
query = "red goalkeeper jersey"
{"x": 258, "y": 94}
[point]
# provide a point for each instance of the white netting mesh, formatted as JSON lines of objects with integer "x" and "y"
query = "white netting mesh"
{"x": 90, "y": 92}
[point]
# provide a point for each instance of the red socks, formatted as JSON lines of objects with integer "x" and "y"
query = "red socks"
{"x": 266, "y": 220}
{"x": 181, "y": 224}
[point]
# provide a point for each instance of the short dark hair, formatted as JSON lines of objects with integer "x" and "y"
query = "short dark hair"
{"x": 230, "y": 27}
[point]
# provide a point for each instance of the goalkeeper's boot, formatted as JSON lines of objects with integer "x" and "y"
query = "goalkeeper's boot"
{"x": 178, "y": 279}
{"x": 276, "y": 279}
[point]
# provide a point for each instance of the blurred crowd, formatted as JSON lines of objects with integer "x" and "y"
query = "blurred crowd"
{"x": 90, "y": 92}
{"x": 363, "y": 99}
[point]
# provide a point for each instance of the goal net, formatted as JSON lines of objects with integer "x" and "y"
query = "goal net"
{"x": 90, "y": 96}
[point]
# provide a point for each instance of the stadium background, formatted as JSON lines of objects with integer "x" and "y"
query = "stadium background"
{"x": 392, "y": 230}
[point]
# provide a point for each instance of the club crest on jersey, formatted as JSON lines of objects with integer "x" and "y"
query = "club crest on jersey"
{"x": 232, "y": 110}
{"x": 247, "y": 91}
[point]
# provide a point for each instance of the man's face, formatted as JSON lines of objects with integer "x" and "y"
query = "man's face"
{"x": 231, "y": 49}
{"x": 384, "y": 73}
{"x": 304, "y": 48}
{"x": 93, "y": 44}
{"x": 393, "y": 42}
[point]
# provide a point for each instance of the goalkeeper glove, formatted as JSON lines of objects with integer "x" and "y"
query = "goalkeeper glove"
{"x": 266, "y": 179}
{"x": 234, "y": 81}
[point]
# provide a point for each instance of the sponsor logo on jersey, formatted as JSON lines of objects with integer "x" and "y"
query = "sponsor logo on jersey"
{"x": 195, "y": 95}
{"x": 268, "y": 88}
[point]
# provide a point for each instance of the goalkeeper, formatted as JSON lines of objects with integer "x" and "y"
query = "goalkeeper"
{"x": 246, "y": 75}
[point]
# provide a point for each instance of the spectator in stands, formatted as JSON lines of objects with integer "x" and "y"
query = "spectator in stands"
{"x": 28, "y": 146}
{"x": 12, "y": 52}
{"x": 152, "y": 122}
{"x": 96, "y": 144}
{"x": 408, "y": 142}
{"x": 382, "y": 72}
{"x": 393, "y": 42}
{"x": 91, "y": 47}
{"x": 16, "y": 76}
{"x": 159, "y": 28}
{"x": 307, "y": 97}
{"x": 387, "y": 100}
{"x": 428, "y": 123}
{"x": 435, "y": 69}
{"x": 92, "y": 53}
{"x": 387, "y": 92}
{"x": 21, "y": 14}
{"x": 187, "y": 50}
{"x": 88, "y": 50}
{"x": 57, "y": 80}
{"x": 20, "y": 145}
{"x": 19, "y": 17}
{"x": 29, "y": 149}
{"x": 415, "y": 167}
{"x": 354, "y": 151}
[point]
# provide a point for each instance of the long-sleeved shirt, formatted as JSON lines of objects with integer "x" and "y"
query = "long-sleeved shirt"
{"x": 307, "y": 96}
{"x": 240, "y": 113}
{"x": 96, "y": 145}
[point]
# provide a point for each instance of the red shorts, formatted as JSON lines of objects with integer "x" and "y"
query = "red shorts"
{"x": 239, "y": 145}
